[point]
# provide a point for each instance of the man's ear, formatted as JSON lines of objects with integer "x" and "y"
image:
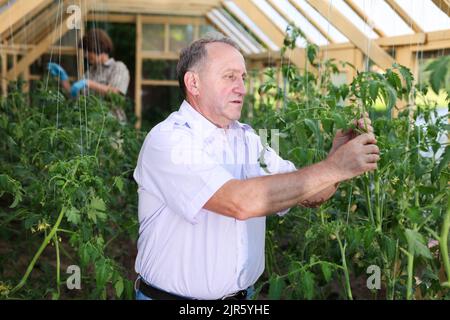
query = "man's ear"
{"x": 191, "y": 81}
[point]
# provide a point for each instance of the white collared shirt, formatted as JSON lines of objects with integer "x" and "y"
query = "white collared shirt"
{"x": 183, "y": 248}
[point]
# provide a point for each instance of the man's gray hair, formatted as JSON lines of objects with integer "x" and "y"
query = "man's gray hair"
{"x": 195, "y": 54}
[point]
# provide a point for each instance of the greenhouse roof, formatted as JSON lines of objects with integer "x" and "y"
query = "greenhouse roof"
{"x": 258, "y": 26}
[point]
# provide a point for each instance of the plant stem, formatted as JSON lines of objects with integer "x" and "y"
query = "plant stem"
{"x": 39, "y": 252}
{"x": 368, "y": 201}
{"x": 377, "y": 201}
{"x": 410, "y": 270}
{"x": 58, "y": 271}
{"x": 345, "y": 268}
{"x": 443, "y": 243}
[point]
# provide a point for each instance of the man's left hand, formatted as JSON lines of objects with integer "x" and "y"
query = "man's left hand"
{"x": 342, "y": 137}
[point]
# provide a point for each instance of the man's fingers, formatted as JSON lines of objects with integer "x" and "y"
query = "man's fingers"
{"x": 372, "y": 158}
{"x": 366, "y": 138}
{"x": 371, "y": 149}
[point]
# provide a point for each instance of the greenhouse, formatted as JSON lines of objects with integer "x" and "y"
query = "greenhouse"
{"x": 224, "y": 149}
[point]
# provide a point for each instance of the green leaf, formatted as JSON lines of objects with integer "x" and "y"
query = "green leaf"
{"x": 312, "y": 52}
{"x": 313, "y": 125}
{"x": 13, "y": 187}
{"x": 119, "y": 287}
{"x": 118, "y": 182}
{"x": 373, "y": 90}
{"x": 390, "y": 96}
{"x": 307, "y": 283}
{"x": 407, "y": 76}
{"x": 102, "y": 274}
{"x": 73, "y": 215}
{"x": 326, "y": 270}
{"x": 339, "y": 121}
{"x": 438, "y": 73}
{"x": 442, "y": 164}
{"x": 416, "y": 244}
{"x": 276, "y": 286}
{"x": 97, "y": 209}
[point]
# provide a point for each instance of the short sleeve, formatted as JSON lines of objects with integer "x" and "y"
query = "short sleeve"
{"x": 269, "y": 162}
{"x": 120, "y": 77}
{"x": 176, "y": 169}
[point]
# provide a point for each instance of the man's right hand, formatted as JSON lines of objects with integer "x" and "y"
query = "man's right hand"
{"x": 356, "y": 157}
{"x": 57, "y": 71}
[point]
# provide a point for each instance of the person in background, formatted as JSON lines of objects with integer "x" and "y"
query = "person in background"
{"x": 105, "y": 75}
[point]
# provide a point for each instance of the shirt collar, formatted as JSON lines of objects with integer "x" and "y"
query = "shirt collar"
{"x": 108, "y": 62}
{"x": 195, "y": 120}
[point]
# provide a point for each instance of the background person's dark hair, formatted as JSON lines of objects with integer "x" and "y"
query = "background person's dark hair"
{"x": 195, "y": 53}
{"x": 97, "y": 41}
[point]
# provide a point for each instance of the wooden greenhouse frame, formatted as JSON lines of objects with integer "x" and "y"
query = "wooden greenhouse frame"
{"x": 20, "y": 18}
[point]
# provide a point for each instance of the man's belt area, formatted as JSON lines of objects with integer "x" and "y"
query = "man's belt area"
{"x": 158, "y": 294}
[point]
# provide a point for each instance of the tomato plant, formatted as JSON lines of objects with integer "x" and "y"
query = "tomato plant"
{"x": 391, "y": 218}
{"x": 66, "y": 186}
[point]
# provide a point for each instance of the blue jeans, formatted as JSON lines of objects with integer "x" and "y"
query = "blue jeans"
{"x": 142, "y": 296}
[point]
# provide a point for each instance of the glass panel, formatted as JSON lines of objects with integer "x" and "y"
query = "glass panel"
{"x": 280, "y": 22}
{"x": 230, "y": 5}
{"x": 348, "y": 12}
{"x": 205, "y": 28}
{"x": 384, "y": 17}
{"x": 248, "y": 37}
{"x": 271, "y": 14}
{"x": 153, "y": 37}
{"x": 159, "y": 69}
{"x": 310, "y": 31}
{"x": 180, "y": 37}
{"x": 426, "y": 14}
{"x": 322, "y": 22}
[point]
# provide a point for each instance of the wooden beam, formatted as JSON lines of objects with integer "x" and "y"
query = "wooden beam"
{"x": 404, "y": 15}
{"x": 150, "y": 82}
{"x": 430, "y": 46}
{"x": 19, "y": 24}
{"x": 17, "y": 11}
{"x": 340, "y": 22}
{"x": 39, "y": 49}
{"x": 444, "y": 5}
{"x": 4, "y": 69}
{"x": 276, "y": 6}
{"x": 297, "y": 56}
{"x": 406, "y": 40}
{"x": 158, "y": 55}
{"x": 311, "y": 20}
{"x": 364, "y": 17}
{"x": 166, "y": 7}
{"x": 37, "y": 27}
{"x": 138, "y": 74}
{"x": 111, "y": 17}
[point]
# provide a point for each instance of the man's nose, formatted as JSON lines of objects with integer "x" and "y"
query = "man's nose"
{"x": 240, "y": 87}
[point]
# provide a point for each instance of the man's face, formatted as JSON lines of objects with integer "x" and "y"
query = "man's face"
{"x": 222, "y": 88}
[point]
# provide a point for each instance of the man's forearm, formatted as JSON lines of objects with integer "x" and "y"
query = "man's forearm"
{"x": 101, "y": 88}
{"x": 265, "y": 195}
{"x": 320, "y": 197}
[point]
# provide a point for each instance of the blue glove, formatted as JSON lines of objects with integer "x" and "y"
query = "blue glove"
{"x": 57, "y": 71}
{"x": 77, "y": 86}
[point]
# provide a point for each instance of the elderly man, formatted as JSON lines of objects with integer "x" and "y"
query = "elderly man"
{"x": 203, "y": 194}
